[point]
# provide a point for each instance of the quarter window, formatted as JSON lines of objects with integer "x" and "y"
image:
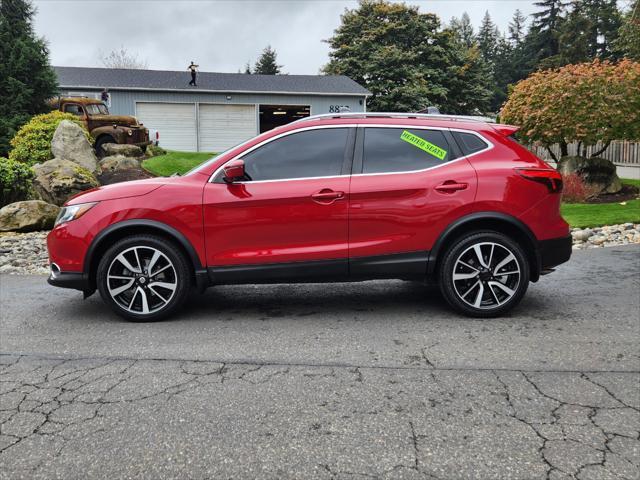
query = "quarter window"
{"x": 403, "y": 150}
{"x": 313, "y": 153}
{"x": 469, "y": 143}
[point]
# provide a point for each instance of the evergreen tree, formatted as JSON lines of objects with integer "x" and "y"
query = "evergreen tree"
{"x": 267, "y": 63}
{"x": 488, "y": 38}
{"x": 247, "y": 69}
{"x": 463, "y": 29}
{"x": 605, "y": 20}
{"x": 517, "y": 28}
{"x": 628, "y": 42}
{"x": 26, "y": 78}
{"x": 574, "y": 37}
{"x": 542, "y": 40}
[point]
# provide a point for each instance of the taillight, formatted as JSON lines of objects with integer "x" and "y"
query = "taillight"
{"x": 551, "y": 178}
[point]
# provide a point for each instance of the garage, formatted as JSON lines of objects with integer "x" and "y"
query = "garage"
{"x": 223, "y": 126}
{"x": 224, "y": 109}
{"x": 176, "y": 123}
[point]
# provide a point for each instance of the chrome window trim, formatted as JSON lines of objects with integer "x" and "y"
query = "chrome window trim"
{"x": 489, "y": 144}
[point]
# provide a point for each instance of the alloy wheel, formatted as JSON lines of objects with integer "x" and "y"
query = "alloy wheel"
{"x": 142, "y": 280}
{"x": 486, "y": 275}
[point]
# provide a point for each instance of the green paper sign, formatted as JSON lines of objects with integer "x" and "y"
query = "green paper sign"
{"x": 422, "y": 144}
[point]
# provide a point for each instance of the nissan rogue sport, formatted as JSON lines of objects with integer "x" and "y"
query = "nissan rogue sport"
{"x": 330, "y": 198}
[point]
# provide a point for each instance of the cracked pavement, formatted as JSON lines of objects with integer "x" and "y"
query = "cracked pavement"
{"x": 349, "y": 381}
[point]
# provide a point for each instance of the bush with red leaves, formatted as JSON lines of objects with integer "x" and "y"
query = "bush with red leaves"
{"x": 576, "y": 190}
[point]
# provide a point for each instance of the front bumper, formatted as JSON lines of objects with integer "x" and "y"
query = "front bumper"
{"x": 555, "y": 251}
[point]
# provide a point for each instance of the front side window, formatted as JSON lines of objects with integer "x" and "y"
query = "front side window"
{"x": 403, "y": 150}
{"x": 74, "y": 109}
{"x": 312, "y": 153}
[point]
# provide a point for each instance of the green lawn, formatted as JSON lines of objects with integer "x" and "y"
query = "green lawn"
{"x": 175, "y": 162}
{"x": 581, "y": 215}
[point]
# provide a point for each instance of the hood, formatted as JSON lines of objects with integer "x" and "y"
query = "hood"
{"x": 125, "y": 120}
{"x": 114, "y": 191}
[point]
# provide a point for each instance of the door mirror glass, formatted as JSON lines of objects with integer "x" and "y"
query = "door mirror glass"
{"x": 234, "y": 171}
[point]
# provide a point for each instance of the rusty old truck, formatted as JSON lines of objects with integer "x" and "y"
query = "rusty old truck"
{"x": 104, "y": 127}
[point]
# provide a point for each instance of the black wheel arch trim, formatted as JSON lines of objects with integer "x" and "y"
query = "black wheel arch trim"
{"x": 440, "y": 244}
{"x": 151, "y": 224}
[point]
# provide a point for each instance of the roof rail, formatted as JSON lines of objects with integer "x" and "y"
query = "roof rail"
{"x": 459, "y": 118}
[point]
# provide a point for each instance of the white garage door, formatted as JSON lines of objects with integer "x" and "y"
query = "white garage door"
{"x": 176, "y": 123}
{"x": 223, "y": 126}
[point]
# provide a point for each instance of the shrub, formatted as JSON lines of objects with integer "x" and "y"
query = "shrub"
{"x": 32, "y": 143}
{"x": 154, "y": 151}
{"x": 15, "y": 181}
{"x": 576, "y": 190}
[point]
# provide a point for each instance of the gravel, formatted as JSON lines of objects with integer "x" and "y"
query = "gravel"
{"x": 22, "y": 253}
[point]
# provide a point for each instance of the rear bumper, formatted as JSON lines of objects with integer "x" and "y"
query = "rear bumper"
{"x": 555, "y": 251}
{"x": 75, "y": 280}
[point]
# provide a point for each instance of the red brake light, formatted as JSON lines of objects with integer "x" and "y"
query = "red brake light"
{"x": 551, "y": 178}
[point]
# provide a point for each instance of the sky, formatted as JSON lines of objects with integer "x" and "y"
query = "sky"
{"x": 220, "y": 36}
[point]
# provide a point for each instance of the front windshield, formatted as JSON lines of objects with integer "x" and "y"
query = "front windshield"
{"x": 96, "y": 109}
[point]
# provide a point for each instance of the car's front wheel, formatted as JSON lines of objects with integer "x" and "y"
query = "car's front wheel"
{"x": 484, "y": 274}
{"x": 143, "y": 278}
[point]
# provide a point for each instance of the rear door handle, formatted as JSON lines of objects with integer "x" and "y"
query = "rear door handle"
{"x": 326, "y": 195}
{"x": 451, "y": 186}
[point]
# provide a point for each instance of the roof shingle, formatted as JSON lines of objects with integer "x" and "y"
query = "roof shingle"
{"x": 115, "y": 78}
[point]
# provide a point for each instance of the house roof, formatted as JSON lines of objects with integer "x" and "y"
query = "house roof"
{"x": 164, "y": 80}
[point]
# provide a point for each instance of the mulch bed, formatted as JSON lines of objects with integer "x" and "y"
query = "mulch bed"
{"x": 628, "y": 192}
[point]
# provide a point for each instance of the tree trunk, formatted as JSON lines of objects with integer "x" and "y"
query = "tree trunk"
{"x": 601, "y": 151}
{"x": 564, "y": 149}
{"x": 553, "y": 155}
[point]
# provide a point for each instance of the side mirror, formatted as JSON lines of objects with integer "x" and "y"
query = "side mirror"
{"x": 234, "y": 171}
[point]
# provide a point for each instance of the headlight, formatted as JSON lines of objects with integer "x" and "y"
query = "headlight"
{"x": 73, "y": 212}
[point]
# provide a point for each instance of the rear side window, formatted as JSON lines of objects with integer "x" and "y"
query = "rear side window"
{"x": 314, "y": 153}
{"x": 469, "y": 143}
{"x": 403, "y": 150}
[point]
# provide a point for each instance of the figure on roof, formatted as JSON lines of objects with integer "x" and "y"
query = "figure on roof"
{"x": 104, "y": 96}
{"x": 193, "y": 68}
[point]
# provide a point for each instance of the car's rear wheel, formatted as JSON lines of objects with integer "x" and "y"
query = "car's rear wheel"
{"x": 143, "y": 278}
{"x": 484, "y": 274}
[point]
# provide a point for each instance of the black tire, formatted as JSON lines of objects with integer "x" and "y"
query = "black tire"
{"x": 151, "y": 294}
{"x": 100, "y": 153}
{"x": 487, "y": 284}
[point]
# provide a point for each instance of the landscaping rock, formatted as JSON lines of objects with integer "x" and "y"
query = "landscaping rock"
{"x": 28, "y": 216}
{"x": 111, "y": 149}
{"x": 118, "y": 162}
{"x": 70, "y": 143}
{"x": 598, "y": 172}
{"x": 22, "y": 253}
{"x": 56, "y": 180}
{"x": 582, "y": 235}
{"x": 154, "y": 151}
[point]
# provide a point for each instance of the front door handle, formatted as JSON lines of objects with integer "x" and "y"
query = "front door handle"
{"x": 327, "y": 196}
{"x": 451, "y": 186}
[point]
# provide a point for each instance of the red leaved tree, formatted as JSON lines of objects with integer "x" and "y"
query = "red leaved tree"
{"x": 585, "y": 103}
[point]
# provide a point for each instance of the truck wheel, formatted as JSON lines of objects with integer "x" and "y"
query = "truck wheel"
{"x": 99, "y": 145}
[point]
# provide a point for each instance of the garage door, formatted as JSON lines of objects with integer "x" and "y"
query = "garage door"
{"x": 176, "y": 123}
{"x": 223, "y": 126}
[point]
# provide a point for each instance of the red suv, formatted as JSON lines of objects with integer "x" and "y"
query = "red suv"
{"x": 331, "y": 198}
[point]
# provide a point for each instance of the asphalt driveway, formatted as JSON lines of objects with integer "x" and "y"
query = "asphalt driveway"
{"x": 369, "y": 380}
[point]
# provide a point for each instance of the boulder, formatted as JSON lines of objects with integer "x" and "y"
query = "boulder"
{"x": 56, "y": 180}
{"x": 594, "y": 171}
{"x": 28, "y": 216}
{"x": 118, "y": 162}
{"x": 111, "y": 149}
{"x": 70, "y": 143}
{"x": 154, "y": 151}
